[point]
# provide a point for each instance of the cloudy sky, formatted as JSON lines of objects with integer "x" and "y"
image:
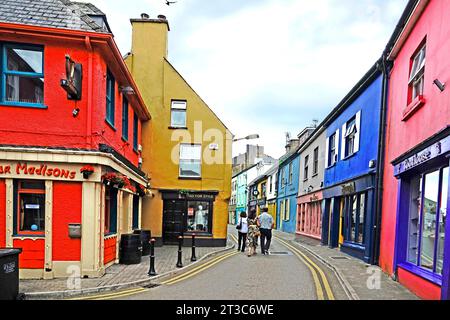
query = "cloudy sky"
{"x": 267, "y": 66}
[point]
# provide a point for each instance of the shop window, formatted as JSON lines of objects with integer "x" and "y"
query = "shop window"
{"x": 125, "y": 108}
{"x": 110, "y": 98}
{"x": 178, "y": 114}
{"x": 354, "y": 216}
{"x": 198, "y": 217}
{"x": 416, "y": 77}
{"x": 190, "y": 161}
{"x": 305, "y": 173}
{"x": 110, "y": 210}
{"x": 427, "y": 217}
{"x": 23, "y": 75}
{"x": 31, "y": 207}
{"x": 316, "y": 161}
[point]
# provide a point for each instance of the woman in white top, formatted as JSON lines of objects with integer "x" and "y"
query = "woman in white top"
{"x": 242, "y": 228}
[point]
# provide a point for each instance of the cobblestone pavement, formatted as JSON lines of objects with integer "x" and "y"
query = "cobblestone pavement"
{"x": 165, "y": 261}
{"x": 364, "y": 281}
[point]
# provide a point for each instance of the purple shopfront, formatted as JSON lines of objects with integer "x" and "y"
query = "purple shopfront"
{"x": 423, "y": 237}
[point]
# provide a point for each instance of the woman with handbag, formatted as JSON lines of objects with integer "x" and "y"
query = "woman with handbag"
{"x": 252, "y": 237}
{"x": 242, "y": 228}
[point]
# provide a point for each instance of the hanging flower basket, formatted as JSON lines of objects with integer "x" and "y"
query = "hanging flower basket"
{"x": 114, "y": 179}
{"x": 87, "y": 171}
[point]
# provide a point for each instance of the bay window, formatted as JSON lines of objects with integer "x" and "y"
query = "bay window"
{"x": 22, "y": 75}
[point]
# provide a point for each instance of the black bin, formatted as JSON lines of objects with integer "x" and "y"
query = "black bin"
{"x": 130, "y": 249}
{"x": 9, "y": 273}
{"x": 146, "y": 235}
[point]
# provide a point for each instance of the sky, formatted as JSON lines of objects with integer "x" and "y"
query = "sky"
{"x": 267, "y": 67}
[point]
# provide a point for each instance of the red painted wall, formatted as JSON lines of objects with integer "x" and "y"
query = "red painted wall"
{"x": 33, "y": 255}
{"x": 110, "y": 250}
{"x": 56, "y": 126}
{"x": 2, "y": 213}
{"x": 422, "y": 288}
{"x": 67, "y": 208}
{"x": 428, "y": 120}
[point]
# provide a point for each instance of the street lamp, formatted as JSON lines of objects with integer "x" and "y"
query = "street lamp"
{"x": 250, "y": 137}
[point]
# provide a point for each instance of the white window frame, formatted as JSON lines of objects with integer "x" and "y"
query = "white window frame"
{"x": 348, "y": 131}
{"x": 178, "y": 105}
{"x": 194, "y": 158}
{"x": 417, "y": 74}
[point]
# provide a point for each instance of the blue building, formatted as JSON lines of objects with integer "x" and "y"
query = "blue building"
{"x": 288, "y": 183}
{"x": 353, "y": 172}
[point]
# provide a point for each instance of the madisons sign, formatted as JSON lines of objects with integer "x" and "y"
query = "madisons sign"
{"x": 42, "y": 170}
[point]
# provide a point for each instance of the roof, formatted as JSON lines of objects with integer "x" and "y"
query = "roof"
{"x": 266, "y": 174}
{"x": 53, "y": 13}
{"x": 241, "y": 172}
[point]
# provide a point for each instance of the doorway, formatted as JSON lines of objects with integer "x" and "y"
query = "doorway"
{"x": 173, "y": 217}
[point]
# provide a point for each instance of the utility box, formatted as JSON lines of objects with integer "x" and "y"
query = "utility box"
{"x": 9, "y": 273}
{"x": 75, "y": 230}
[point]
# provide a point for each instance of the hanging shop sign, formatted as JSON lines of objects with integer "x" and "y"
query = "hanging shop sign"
{"x": 439, "y": 148}
{"x": 23, "y": 170}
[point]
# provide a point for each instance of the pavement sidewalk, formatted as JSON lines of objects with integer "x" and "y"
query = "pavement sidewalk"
{"x": 119, "y": 276}
{"x": 361, "y": 280}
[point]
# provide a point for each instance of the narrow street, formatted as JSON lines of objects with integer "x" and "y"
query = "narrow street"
{"x": 283, "y": 275}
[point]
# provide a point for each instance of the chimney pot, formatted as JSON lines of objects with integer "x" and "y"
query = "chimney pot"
{"x": 144, "y": 16}
{"x": 162, "y": 17}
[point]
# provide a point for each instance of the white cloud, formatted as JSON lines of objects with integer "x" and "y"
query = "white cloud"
{"x": 268, "y": 66}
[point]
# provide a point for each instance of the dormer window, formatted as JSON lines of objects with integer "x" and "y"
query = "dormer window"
{"x": 416, "y": 77}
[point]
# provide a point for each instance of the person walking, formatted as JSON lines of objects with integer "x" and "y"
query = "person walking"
{"x": 242, "y": 228}
{"x": 252, "y": 236}
{"x": 266, "y": 224}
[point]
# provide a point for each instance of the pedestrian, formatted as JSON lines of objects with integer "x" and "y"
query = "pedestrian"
{"x": 252, "y": 236}
{"x": 266, "y": 224}
{"x": 242, "y": 228}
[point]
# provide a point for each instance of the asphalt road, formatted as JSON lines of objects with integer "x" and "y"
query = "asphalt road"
{"x": 238, "y": 277}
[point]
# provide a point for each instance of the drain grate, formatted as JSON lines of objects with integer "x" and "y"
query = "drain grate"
{"x": 150, "y": 286}
{"x": 339, "y": 258}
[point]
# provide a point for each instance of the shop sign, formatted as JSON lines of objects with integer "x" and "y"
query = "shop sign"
{"x": 252, "y": 203}
{"x": 42, "y": 170}
{"x": 349, "y": 188}
{"x": 423, "y": 156}
{"x": 262, "y": 202}
{"x": 200, "y": 196}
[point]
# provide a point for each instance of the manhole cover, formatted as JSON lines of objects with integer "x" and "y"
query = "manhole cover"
{"x": 340, "y": 258}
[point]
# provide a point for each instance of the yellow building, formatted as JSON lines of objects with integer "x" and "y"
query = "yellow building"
{"x": 186, "y": 148}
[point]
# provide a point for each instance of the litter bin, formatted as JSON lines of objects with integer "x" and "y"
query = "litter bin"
{"x": 9, "y": 273}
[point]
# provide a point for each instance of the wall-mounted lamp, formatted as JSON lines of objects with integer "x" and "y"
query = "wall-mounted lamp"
{"x": 127, "y": 90}
{"x": 439, "y": 84}
{"x": 75, "y": 112}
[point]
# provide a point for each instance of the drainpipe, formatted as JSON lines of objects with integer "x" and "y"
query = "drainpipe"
{"x": 380, "y": 162}
{"x": 88, "y": 44}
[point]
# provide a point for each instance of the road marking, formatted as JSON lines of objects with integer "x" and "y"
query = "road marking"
{"x": 234, "y": 238}
{"x": 197, "y": 270}
{"x": 112, "y": 295}
{"x": 313, "y": 267}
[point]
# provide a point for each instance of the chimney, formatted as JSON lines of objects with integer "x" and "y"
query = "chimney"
{"x": 149, "y": 48}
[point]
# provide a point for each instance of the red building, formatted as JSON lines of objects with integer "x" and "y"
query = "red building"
{"x": 415, "y": 238}
{"x": 70, "y": 130}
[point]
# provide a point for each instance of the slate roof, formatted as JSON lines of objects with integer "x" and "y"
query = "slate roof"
{"x": 52, "y": 13}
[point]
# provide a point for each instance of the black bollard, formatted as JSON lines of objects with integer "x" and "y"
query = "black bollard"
{"x": 180, "y": 262}
{"x": 193, "y": 258}
{"x": 152, "y": 271}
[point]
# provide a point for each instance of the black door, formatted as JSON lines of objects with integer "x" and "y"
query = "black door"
{"x": 173, "y": 213}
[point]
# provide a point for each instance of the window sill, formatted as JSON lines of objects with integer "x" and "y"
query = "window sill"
{"x": 350, "y": 156}
{"x": 178, "y": 128}
{"x": 125, "y": 139}
{"x": 28, "y": 236}
{"x": 110, "y": 125}
{"x": 189, "y": 178}
{"x": 315, "y": 175}
{"x": 427, "y": 275}
{"x": 412, "y": 108}
{"x": 23, "y": 105}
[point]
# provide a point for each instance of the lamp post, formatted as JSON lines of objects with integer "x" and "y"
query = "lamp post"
{"x": 250, "y": 137}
